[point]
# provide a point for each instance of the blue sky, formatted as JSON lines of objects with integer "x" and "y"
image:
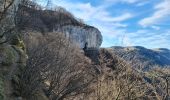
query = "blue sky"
{"x": 125, "y": 22}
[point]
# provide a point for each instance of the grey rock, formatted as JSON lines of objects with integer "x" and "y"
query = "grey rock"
{"x": 56, "y": 21}
{"x": 82, "y": 35}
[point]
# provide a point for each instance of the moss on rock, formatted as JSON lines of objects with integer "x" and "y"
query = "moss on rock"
{"x": 17, "y": 41}
{"x": 7, "y": 55}
{"x": 1, "y": 88}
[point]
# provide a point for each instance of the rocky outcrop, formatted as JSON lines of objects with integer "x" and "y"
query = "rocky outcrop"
{"x": 37, "y": 22}
{"x": 59, "y": 21}
{"x": 82, "y": 35}
{"x": 12, "y": 58}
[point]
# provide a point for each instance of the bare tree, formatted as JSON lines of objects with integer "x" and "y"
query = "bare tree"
{"x": 118, "y": 81}
{"x": 6, "y": 4}
{"x": 57, "y": 66}
{"x": 161, "y": 81}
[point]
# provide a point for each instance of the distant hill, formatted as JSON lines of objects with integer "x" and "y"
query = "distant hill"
{"x": 142, "y": 57}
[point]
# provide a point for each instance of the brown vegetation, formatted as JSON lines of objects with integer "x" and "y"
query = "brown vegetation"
{"x": 57, "y": 70}
{"x": 119, "y": 81}
{"x": 57, "y": 67}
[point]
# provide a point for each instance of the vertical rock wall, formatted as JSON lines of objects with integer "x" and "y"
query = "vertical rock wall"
{"x": 82, "y": 35}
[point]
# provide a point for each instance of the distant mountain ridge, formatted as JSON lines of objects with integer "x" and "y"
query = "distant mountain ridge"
{"x": 163, "y": 51}
{"x": 142, "y": 57}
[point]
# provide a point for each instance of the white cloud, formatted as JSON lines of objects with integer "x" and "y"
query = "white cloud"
{"x": 142, "y": 3}
{"x": 123, "y": 1}
{"x": 126, "y": 41}
{"x": 137, "y": 3}
{"x": 120, "y": 18}
{"x": 88, "y": 12}
{"x": 141, "y": 31}
{"x": 155, "y": 27}
{"x": 162, "y": 12}
{"x": 150, "y": 39}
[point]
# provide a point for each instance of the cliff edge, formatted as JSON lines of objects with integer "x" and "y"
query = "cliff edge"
{"x": 59, "y": 21}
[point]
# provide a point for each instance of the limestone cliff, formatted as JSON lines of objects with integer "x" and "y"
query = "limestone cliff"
{"x": 59, "y": 21}
{"x": 82, "y": 35}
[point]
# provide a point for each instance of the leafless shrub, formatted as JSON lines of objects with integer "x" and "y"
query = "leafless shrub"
{"x": 160, "y": 81}
{"x": 57, "y": 66}
{"x": 118, "y": 80}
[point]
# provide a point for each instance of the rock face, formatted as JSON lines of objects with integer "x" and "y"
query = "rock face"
{"x": 82, "y": 35}
{"x": 59, "y": 21}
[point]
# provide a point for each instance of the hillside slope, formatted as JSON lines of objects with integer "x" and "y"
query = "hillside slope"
{"x": 143, "y": 57}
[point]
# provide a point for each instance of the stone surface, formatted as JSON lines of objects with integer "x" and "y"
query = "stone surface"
{"x": 82, "y": 35}
{"x": 59, "y": 21}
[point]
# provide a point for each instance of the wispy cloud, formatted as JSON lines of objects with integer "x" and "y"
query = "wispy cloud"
{"x": 88, "y": 12}
{"x": 162, "y": 11}
{"x": 143, "y": 3}
{"x": 151, "y": 39}
{"x": 123, "y": 1}
{"x": 155, "y": 27}
{"x": 120, "y": 18}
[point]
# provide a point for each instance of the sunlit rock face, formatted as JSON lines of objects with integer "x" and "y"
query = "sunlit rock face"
{"x": 82, "y": 35}
{"x": 60, "y": 21}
